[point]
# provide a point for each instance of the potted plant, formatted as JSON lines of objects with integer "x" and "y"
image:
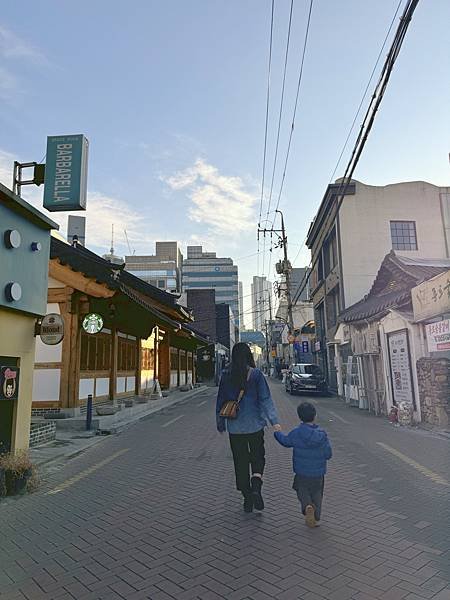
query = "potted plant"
{"x": 18, "y": 472}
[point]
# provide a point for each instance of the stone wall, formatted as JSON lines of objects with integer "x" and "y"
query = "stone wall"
{"x": 434, "y": 390}
{"x": 41, "y": 432}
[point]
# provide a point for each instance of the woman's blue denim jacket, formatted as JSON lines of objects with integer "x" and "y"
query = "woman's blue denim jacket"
{"x": 256, "y": 406}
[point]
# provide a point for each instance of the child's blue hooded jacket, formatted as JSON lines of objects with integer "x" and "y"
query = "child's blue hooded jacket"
{"x": 311, "y": 447}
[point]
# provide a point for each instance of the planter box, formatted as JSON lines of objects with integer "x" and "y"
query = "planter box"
{"x": 102, "y": 411}
{"x": 128, "y": 403}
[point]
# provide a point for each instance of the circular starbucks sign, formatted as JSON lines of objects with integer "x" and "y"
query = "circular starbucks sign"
{"x": 52, "y": 329}
{"x": 93, "y": 323}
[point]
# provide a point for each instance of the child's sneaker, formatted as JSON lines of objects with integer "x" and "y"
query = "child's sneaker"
{"x": 310, "y": 518}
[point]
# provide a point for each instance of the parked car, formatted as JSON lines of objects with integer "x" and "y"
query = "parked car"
{"x": 305, "y": 378}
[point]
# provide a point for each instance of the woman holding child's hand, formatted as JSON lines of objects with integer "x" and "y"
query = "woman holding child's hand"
{"x": 247, "y": 386}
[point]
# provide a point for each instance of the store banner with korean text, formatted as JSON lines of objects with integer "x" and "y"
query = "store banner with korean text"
{"x": 400, "y": 361}
{"x": 432, "y": 298}
{"x": 438, "y": 336}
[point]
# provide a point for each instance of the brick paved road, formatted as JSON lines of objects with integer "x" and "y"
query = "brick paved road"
{"x": 152, "y": 513}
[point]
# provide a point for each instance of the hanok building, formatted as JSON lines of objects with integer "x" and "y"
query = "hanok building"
{"x": 121, "y": 334}
{"x": 24, "y": 254}
{"x": 381, "y": 344}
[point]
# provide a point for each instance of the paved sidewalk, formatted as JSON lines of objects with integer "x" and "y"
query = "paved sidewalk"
{"x": 152, "y": 513}
{"x": 71, "y": 443}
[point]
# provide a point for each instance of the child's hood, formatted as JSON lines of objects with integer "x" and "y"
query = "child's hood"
{"x": 311, "y": 435}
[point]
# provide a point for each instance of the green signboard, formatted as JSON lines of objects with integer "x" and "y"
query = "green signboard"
{"x": 65, "y": 187}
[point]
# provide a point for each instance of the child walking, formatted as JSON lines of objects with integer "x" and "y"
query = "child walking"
{"x": 311, "y": 451}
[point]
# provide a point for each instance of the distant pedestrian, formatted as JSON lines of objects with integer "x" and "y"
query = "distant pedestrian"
{"x": 245, "y": 385}
{"x": 312, "y": 450}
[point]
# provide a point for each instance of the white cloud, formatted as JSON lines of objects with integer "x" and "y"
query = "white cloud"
{"x": 102, "y": 211}
{"x": 222, "y": 203}
{"x": 13, "y": 47}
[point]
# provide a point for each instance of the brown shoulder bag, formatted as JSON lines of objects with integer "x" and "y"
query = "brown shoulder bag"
{"x": 230, "y": 408}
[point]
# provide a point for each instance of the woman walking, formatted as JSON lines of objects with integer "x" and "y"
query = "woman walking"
{"x": 245, "y": 397}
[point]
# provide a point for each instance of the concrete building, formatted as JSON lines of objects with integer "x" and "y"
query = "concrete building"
{"x": 162, "y": 269}
{"x": 226, "y": 326}
{"x": 261, "y": 294}
{"x": 348, "y": 243}
{"x": 204, "y": 270}
{"x": 241, "y": 306}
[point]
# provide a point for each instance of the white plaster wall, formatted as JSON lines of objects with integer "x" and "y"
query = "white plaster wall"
{"x": 102, "y": 386}
{"x": 130, "y": 384}
{"x": 120, "y": 384}
{"x": 366, "y": 235}
{"x": 85, "y": 388}
{"x": 46, "y": 385}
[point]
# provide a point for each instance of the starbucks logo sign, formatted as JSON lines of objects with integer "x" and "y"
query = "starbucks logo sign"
{"x": 92, "y": 323}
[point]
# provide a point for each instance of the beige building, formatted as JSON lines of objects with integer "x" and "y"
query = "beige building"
{"x": 348, "y": 243}
{"x": 162, "y": 269}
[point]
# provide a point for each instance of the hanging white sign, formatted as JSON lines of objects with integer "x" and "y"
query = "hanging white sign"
{"x": 52, "y": 329}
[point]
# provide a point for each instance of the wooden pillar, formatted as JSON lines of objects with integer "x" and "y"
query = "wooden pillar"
{"x": 178, "y": 368}
{"x": 164, "y": 362}
{"x": 74, "y": 334}
{"x": 113, "y": 364}
{"x": 137, "y": 385}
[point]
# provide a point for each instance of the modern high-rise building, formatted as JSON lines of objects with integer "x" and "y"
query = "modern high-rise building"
{"x": 261, "y": 291}
{"x": 162, "y": 269}
{"x": 204, "y": 270}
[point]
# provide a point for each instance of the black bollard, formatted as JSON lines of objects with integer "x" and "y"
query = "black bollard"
{"x": 89, "y": 413}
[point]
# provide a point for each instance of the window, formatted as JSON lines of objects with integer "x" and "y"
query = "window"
{"x": 127, "y": 355}
{"x": 403, "y": 234}
{"x": 95, "y": 352}
{"x": 174, "y": 359}
{"x": 161, "y": 283}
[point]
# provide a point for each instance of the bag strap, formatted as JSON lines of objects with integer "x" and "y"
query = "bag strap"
{"x": 242, "y": 392}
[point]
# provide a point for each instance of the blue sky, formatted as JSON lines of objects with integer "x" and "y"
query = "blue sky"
{"x": 172, "y": 98}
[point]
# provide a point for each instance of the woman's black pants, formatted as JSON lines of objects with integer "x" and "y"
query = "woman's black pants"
{"x": 248, "y": 449}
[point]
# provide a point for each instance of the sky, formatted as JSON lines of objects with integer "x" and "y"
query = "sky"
{"x": 172, "y": 97}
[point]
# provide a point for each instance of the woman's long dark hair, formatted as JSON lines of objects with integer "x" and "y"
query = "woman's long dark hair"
{"x": 241, "y": 360}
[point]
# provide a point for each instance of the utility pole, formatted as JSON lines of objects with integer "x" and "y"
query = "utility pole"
{"x": 287, "y": 273}
{"x": 284, "y": 266}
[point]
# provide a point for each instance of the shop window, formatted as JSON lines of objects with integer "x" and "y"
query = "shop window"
{"x": 95, "y": 352}
{"x": 183, "y": 361}
{"x": 127, "y": 355}
{"x": 173, "y": 359}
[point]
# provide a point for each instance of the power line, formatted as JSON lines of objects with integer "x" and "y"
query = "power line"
{"x": 281, "y": 106}
{"x": 300, "y": 77}
{"x": 365, "y": 91}
{"x": 368, "y": 121}
{"x": 358, "y": 110}
{"x": 267, "y": 120}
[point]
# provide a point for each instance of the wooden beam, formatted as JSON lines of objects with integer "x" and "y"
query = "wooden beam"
{"x": 56, "y": 295}
{"x": 78, "y": 281}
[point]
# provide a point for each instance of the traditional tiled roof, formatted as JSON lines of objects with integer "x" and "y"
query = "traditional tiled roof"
{"x": 392, "y": 286}
{"x": 84, "y": 261}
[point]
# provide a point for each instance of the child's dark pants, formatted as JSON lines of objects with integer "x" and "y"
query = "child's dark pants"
{"x": 310, "y": 491}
